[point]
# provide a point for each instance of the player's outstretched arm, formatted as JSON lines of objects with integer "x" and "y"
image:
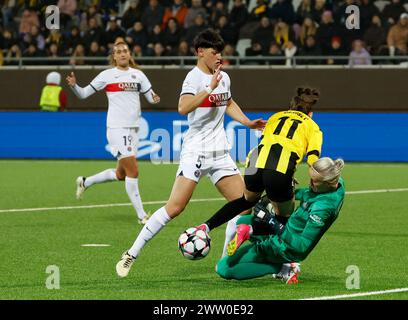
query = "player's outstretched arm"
{"x": 235, "y": 112}
{"x": 81, "y": 93}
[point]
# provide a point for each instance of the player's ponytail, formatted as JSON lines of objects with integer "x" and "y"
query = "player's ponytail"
{"x": 305, "y": 99}
{"x": 328, "y": 170}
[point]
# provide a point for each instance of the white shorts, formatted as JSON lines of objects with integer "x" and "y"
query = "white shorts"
{"x": 216, "y": 166}
{"x": 123, "y": 142}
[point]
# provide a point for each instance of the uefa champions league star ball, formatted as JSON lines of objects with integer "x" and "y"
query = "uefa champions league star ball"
{"x": 194, "y": 244}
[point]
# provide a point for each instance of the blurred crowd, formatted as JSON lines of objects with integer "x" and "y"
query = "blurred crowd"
{"x": 161, "y": 28}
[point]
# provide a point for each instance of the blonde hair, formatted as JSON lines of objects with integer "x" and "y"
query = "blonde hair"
{"x": 112, "y": 61}
{"x": 328, "y": 170}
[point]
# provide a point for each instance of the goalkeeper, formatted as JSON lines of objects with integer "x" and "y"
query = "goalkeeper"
{"x": 275, "y": 247}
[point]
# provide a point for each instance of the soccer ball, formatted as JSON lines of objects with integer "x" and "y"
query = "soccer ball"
{"x": 194, "y": 244}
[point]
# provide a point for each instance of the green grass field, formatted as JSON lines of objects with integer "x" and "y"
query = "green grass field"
{"x": 371, "y": 233}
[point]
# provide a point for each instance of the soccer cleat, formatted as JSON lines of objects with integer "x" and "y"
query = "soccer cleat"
{"x": 203, "y": 227}
{"x": 80, "y": 184}
{"x": 144, "y": 220}
{"x": 124, "y": 265}
{"x": 289, "y": 273}
{"x": 242, "y": 234}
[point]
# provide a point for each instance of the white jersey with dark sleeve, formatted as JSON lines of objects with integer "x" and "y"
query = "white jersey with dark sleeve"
{"x": 123, "y": 90}
{"x": 206, "y": 123}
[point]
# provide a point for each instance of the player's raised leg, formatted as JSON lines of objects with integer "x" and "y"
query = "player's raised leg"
{"x": 181, "y": 193}
{"x": 83, "y": 183}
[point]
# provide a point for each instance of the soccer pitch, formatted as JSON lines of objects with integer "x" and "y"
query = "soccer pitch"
{"x": 370, "y": 233}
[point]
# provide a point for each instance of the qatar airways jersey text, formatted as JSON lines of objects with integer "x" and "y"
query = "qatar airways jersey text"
{"x": 123, "y": 89}
{"x": 206, "y": 123}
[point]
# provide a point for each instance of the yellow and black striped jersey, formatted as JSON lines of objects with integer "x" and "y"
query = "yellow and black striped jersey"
{"x": 288, "y": 136}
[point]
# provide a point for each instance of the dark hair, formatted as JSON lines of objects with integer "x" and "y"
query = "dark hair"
{"x": 209, "y": 38}
{"x": 304, "y": 99}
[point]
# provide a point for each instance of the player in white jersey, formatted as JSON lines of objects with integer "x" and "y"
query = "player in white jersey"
{"x": 123, "y": 84}
{"x": 205, "y": 98}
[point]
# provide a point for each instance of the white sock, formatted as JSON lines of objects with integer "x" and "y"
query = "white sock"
{"x": 104, "y": 176}
{"x": 132, "y": 189}
{"x": 156, "y": 222}
{"x": 229, "y": 233}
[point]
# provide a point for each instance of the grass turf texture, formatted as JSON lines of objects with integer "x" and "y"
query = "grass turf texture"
{"x": 371, "y": 233}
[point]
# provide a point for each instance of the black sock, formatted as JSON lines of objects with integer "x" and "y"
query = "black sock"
{"x": 229, "y": 211}
{"x": 282, "y": 219}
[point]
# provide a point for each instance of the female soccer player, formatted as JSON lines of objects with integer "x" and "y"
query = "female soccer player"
{"x": 123, "y": 84}
{"x": 287, "y": 138}
{"x": 205, "y": 98}
{"x": 275, "y": 247}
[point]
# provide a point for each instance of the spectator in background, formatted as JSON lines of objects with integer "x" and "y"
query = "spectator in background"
{"x": 228, "y": 52}
{"x": 33, "y": 52}
{"x": 260, "y": 10}
{"x": 307, "y": 29}
{"x": 392, "y": 11}
{"x": 367, "y": 11}
{"x": 275, "y": 51}
{"x": 91, "y": 12}
{"x": 177, "y": 11}
{"x": 132, "y": 14}
{"x": 53, "y": 98}
{"x": 283, "y": 33}
{"x": 94, "y": 33}
{"x": 184, "y": 50}
{"x": 67, "y": 10}
{"x": 137, "y": 35}
{"x": 156, "y": 36}
{"x": 96, "y": 51}
{"x": 172, "y": 35}
{"x": 216, "y": 12}
{"x": 78, "y": 56}
{"x": 159, "y": 51}
{"x": 195, "y": 10}
{"x": 326, "y": 31}
{"x": 8, "y": 39}
{"x": 375, "y": 36}
{"x": 310, "y": 48}
{"x": 255, "y": 50}
{"x": 359, "y": 55}
{"x": 398, "y": 35}
{"x": 264, "y": 34}
{"x": 336, "y": 49}
{"x": 319, "y": 8}
{"x": 35, "y": 37}
{"x": 199, "y": 25}
{"x": 53, "y": 55}
{"x": 70, "y": 41}
{"x": 152, "y": 15}
{"x": 290, "y": 51}
{"x": 283, "y": 10}
{"x": 226, "y": 31}
{"x": 54, "y": 37}
{"x": 13, "y": 53}
{"x": 137, "y": 51}
{"x": 9, "y": 10}
{"x": 238, "y": 15}
{"x": 112, "y": 32}
{"x": 305, "y": 9}
{"x": 29, "y": 18}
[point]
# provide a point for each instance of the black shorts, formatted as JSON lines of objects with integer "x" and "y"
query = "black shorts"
{"x": 278, "y": 186}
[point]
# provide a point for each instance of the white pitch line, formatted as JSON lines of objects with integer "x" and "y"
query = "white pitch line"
{"x": 108, "y": 205}
{"x": 98, "y": 206}
{"x": 362, "y": 294}
{"x": 95, "y": 245}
